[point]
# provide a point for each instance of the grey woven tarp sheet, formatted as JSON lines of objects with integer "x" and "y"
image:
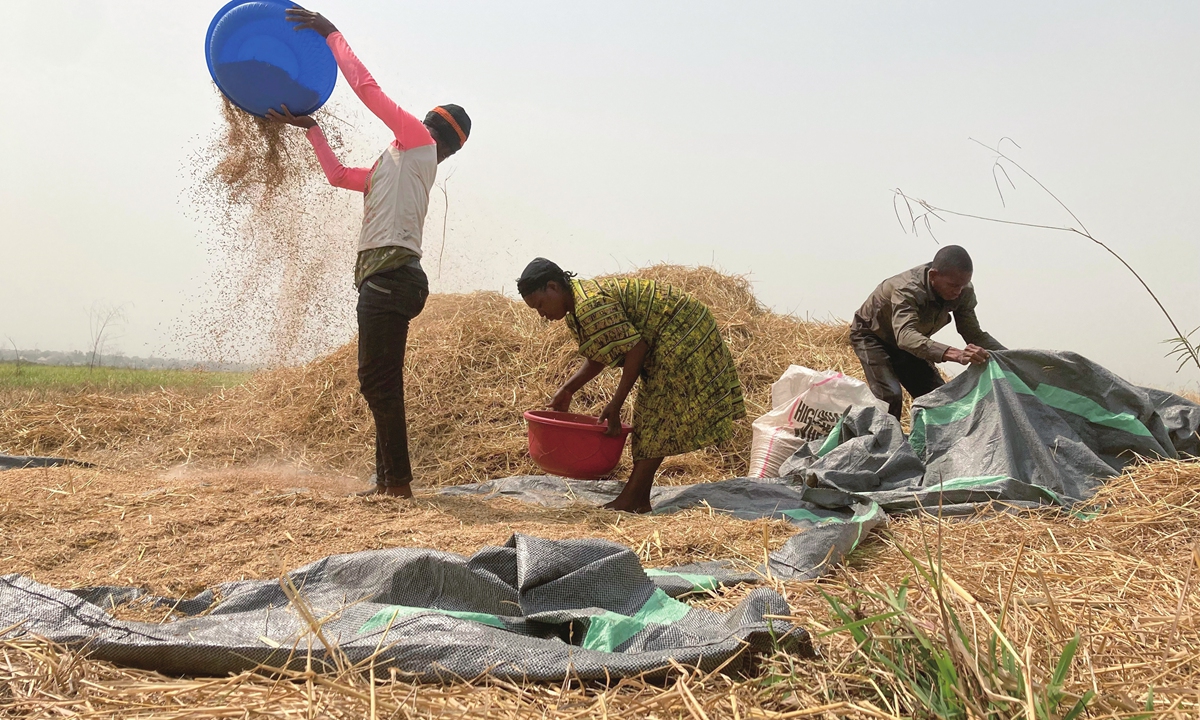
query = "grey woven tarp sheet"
{"x": 1029, "y": 429}
{"x": 532, "y": 610}
{"x": 20, "y": 462}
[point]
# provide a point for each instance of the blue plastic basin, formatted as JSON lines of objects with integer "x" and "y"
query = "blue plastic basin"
{"x": 259, "y": 61}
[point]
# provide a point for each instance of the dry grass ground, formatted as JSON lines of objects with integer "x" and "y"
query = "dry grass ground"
{"x": 1123, "y": 580}
{"x": 245, "y": 482}
{"x": 177, "y": 533}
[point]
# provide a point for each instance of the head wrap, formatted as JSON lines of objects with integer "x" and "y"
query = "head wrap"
{"x": 538, "y": 273}
{"x": 452, "y": 123}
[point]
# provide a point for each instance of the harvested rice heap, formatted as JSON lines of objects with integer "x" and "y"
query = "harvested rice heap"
{"x": 475, "y": 363}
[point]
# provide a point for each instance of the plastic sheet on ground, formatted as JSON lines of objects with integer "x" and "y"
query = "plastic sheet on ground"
{"x": 1029, "y": 429}
{"x": 20, "y": 462}
{"x": 532, "y": 610}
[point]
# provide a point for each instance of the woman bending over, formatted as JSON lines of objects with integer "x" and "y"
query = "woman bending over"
{"x": 690, "y": 393}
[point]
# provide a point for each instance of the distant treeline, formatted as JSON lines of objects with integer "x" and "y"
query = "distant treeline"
{"x": 77, "y": 357}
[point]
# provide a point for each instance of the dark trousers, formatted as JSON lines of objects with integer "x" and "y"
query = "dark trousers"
{"x": 386, "y": 303}
{"x": 888, "y": 368}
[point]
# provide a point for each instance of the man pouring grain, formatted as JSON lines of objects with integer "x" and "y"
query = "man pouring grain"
{"x": 392, "y": 287}
{"x": 892, "y": 331}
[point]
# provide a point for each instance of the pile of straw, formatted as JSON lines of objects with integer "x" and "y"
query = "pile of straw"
{"x": 1124, "y": 580}
{"x": 475, "y": 363}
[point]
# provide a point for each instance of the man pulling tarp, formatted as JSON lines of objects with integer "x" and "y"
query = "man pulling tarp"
{"x": 892, "y": 332}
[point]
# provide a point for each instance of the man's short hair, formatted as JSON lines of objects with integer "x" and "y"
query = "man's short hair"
{"x": 953, "y": 258}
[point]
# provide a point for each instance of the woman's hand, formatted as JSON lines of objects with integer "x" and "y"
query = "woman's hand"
{"x": 562, "y": 399}
{"x": 309, "y": 20}
{"x": 630, "y": 370}
{"x": 302, "y": 121}
{"x": 612, "y": 415}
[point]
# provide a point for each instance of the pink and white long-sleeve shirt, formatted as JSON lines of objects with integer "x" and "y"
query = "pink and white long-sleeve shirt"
{"x": 396, "y": 189}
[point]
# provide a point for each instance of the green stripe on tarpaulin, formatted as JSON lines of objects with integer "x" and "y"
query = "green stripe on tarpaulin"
{"x": 964, "y": 483}
{"x": 699, "y": 583}
{"x": 875, "y": 512}
{"x": 916, "y": 437}
{"x": 858, "y": 520}
{"x": 812, "y": 517}
{"x": 1056, "y": 397}
{"x": 957, "y": 410}
{"x": 607, "y": 631}
{"x": 390, "y": 614}
{"x": 967, "y": 483}
{"x": 1084, "y": 406}
{"x": 833, "y": 440}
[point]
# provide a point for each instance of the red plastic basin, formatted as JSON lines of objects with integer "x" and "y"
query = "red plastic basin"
{"x": 572, "y": 445}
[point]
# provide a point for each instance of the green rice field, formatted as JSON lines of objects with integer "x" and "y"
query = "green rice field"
{"x": 111, "y": 379}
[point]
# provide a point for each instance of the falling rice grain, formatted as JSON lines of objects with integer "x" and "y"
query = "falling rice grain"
{"x": 280, "y": 240}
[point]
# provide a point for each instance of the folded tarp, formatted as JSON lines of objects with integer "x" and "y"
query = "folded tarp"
{"x": 532, "y": 610}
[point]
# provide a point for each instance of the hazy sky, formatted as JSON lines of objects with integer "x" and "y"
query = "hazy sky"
{"x": 765, "y": 138}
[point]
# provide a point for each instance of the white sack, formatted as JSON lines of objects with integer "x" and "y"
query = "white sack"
{"x": 806, "y": 405}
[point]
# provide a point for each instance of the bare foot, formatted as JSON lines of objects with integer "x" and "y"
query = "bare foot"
{"x": 629, "y": 506}
{"x": 635, "y": 495}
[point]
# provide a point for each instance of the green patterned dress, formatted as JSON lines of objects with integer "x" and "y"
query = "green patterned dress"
{"x": 689, "y": 394}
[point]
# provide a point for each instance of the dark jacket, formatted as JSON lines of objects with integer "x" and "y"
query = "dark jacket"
{"x": 905, "y": 312}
